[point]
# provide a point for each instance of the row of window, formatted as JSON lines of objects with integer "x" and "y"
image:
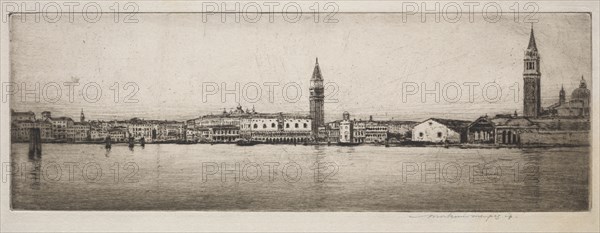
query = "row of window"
{"x": 287, "y": 125}
{"x": 227, "y": 132}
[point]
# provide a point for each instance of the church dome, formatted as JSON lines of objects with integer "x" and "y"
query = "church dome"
{"x": 581, "y": 93}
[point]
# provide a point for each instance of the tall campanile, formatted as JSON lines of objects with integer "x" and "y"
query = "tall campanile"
{"x": 532, "y": 102}
{"x": 317, "y": 96}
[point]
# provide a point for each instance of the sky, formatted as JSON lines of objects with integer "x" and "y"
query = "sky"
{"x": 172, "y": 62}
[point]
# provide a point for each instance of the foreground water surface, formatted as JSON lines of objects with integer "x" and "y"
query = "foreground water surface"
{"x": 299, "y": 178}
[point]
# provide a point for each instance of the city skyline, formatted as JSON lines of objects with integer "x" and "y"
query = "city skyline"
{"x": 391, "y": 68}
{"x": 195, "y": 111}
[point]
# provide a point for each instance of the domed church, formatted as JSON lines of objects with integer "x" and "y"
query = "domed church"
{"x": 578, "y": 106}
{"x": 582, "y": 93}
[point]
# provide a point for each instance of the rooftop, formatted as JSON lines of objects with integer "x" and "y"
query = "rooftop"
{"x": 456, "y": 125}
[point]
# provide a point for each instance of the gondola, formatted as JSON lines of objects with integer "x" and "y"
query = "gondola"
{"x": 348, "y": 143}
{"x": 246, "y": 142}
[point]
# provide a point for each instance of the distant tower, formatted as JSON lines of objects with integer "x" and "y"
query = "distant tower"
{"x": 582, "y": 83}
{"x": 532, "y": 105}
{"x": 561, "y": 96}
{"x": 82, "y": 116}
{"x": 317, "y": 96}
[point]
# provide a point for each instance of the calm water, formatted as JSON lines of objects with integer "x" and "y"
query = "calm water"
{"x": 299, "y": 178}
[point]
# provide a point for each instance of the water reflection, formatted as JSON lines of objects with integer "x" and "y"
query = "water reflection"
{"x": 319, "y": 178}
{"x": 362, "y": 178}
{"x": 530, "y": 171}
{"x": 36, "y": 173}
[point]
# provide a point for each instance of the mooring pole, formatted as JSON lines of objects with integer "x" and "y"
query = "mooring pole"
{"x": 35, "y": 142}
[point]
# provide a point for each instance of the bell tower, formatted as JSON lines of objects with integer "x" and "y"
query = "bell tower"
{"x": 81, "y": 116}
{"x": 317, "y": 96}
{"x": 532, "y": 105}
{"x": 561, "y": 96}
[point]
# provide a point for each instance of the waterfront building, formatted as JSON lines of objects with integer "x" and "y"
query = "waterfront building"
{"x": 22, "y": 116}
{"x": 249, "y": 124}
{"x": 501, "y": 129}
{"x": 231, "y": 118}
{"x": 45, "y": 130}
{"x": 51, "y": 128}
{"x": 359, "y": 131}
{"x": 518, "y": 130}
{"x": 345, "y": 129}
{"x": 21, "y": 123}
{"x": 225, "y": 133}
{"x": 512, "y": 130}
{"x": 482, "y": 130}
{"x": 138, "y": 128}
{"x": 60, "y": 126}
{"x": 332, "y": 131}
{"x": 118, "y": 134}
{"x": 323, "y": 134}
{"x": 279, "y": 127}
{"x": 170, "y": 130}
{"x": 203, "y": 134}
{"x": 578, "y": 106}
{"x": 78, "y": 132}
{"x": 375, "y": 132}
{"x": 399, "y": 130}
{"x": 20, "y": 130}
{"x": 98, "y": 134}
{"x": 439, "y": 130}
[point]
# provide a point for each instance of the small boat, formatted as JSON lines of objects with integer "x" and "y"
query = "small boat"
{"x": 246, "y": 143}
{"x": 348, "y": 143}
{"x": 185, "y": 142}
{"x": 108, "y": 143}
{"x": 131, "y": 143}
